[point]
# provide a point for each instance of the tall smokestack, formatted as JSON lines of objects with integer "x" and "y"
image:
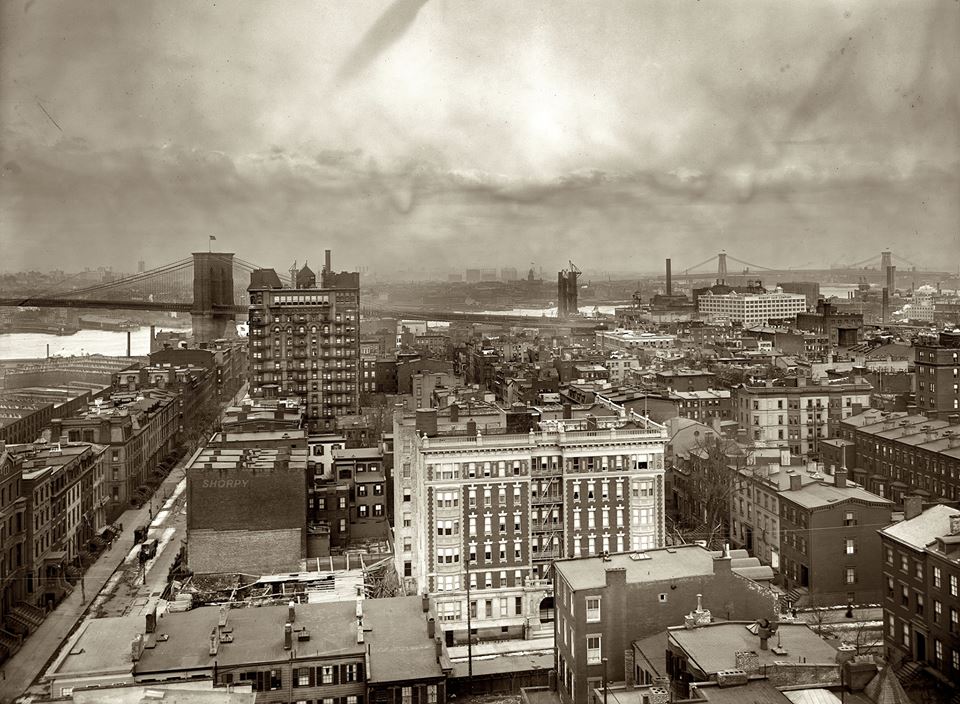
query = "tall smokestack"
{"x": 128, "y": 343}
{"x": 885, "y": 305}
{"x": 669, "y": 280}
{"x": 326, "y": 260}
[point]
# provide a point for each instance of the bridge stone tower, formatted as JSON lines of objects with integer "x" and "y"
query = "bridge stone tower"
{"x": 212, "y": 312}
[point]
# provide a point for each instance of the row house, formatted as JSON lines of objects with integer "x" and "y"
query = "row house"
{"x": 63, "y": 509}
{"x": 896, "y": 454}
{"x": 817, "y": 531}
{"x": 921, "y": 601}
{"x": 139, "y": 430}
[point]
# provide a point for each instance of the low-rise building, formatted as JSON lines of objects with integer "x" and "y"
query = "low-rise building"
{"x": 247, "y": 510}
{"x": 896, "y": 454}
{"x": 797, "y": 413}
{"x": 63, "y": 491}
{"x": 139, "y": 430}
{"x": 354, "y": 652}
{"x": 921, "y": 603}
{"x": 604, "y": 603}
{"x": 634, "y": 341}
{"x": 818, "y": 531}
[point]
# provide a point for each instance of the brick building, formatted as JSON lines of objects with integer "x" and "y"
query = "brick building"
{"x": 305, "y": 342}
{"x": 843, "y": 329}
{"x": 353, "y": 502}
{"x": 139, "y": 430}
{"x": 605, "y": 603}
{"x": 490, "y": 511}
{"x": 937, "y": 365}
{"x": 819, "y": 532}
{"x": 921, "y": 604}
{"x": 894, "y": 454}
{"x": 248, "y": 510}
{"x": 63, "y": 508}
{"x": 195, "y": 387}
{"x": 13, "y": 556}
{"x": 798, "y": 414}
{"x": 376, "y": 651}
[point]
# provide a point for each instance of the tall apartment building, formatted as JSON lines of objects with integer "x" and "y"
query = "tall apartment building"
{"x": 751, "y": 308}
{"x": 938, "y": 375}
{"x": 487, "y": 513}
{"x": 921, "y": 605}
{"x": 799, "y": 415}
{"x": 305, "y": 342}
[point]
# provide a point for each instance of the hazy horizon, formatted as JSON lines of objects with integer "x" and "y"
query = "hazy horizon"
{"x": 432, "y": 134}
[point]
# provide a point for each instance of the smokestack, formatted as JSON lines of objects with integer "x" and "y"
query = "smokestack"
{"x": 669, "y": 279}
{"x": 885, "y": 305}
{"x": 128, "y": 343}
{"x": 326, "y": 260}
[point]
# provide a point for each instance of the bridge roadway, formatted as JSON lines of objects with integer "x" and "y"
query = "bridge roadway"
{"x": 404, "y": 313}
{"x": 163, "y": 306}
{"x": 529, "y": 321}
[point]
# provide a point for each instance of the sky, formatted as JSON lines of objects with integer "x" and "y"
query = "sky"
{"x": 417, "y": 134}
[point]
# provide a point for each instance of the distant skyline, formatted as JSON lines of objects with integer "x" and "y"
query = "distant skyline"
{"x": 442, "y": 134}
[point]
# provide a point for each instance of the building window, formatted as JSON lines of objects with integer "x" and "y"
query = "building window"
{"x": 851, "y": 575}
{"x": 593, "y": 650}
{"x": 937, "y": 611}
{"x": 302, "y": 677}
{"x": 936, "y": 577}
{"x": 851, "y": 546}
{"x": 953, "y": 585}
{"x": 850, "y": 519}
{"x": 593, "y": 609}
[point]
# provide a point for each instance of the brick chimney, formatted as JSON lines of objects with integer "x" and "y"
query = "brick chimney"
{"x": 840, "y": 478}
{"x": 912, "y": 507}
{"x": 454, "y": 412}
{"x": 291, "y": 612}
{"x": 288, "y": 636}
{"x": 955, "y": 524}
{"x": 796, "y": 481}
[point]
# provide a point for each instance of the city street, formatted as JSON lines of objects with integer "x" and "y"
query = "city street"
{"x": 23, "y": 669}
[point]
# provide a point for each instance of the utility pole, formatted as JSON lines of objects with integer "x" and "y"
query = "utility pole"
{"x": 604, "y": 681}
{"x": 469, "y": 634}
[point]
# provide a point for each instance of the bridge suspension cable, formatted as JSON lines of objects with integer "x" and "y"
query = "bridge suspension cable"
{"x": 128, "y": 280}
{"x": 748, "y": 264}
{"x": 697, "y": 266}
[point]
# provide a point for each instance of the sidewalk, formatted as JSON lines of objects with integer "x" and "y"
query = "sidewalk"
{"x": 42, "y": 645}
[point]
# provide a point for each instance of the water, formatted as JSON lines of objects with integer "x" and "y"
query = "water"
{"x": 107, "y": 342}
{"x": 549, "y": 312}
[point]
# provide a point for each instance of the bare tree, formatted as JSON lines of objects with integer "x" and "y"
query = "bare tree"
{"x": 708, "y": 477}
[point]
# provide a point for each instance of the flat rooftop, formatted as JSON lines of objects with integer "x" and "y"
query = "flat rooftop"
{"x": 658, "y": 565}
{"x": 713, "y": 647}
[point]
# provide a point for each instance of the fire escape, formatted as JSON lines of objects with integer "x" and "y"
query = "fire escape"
{"x": 546, "y": 528}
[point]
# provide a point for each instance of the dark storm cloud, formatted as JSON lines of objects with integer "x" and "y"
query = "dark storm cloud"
{"x": 613, "y": 133}
{"x": 386, "y": 31}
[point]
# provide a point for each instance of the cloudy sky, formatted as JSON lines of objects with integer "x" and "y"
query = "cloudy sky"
{"x": 444, "y": 133}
